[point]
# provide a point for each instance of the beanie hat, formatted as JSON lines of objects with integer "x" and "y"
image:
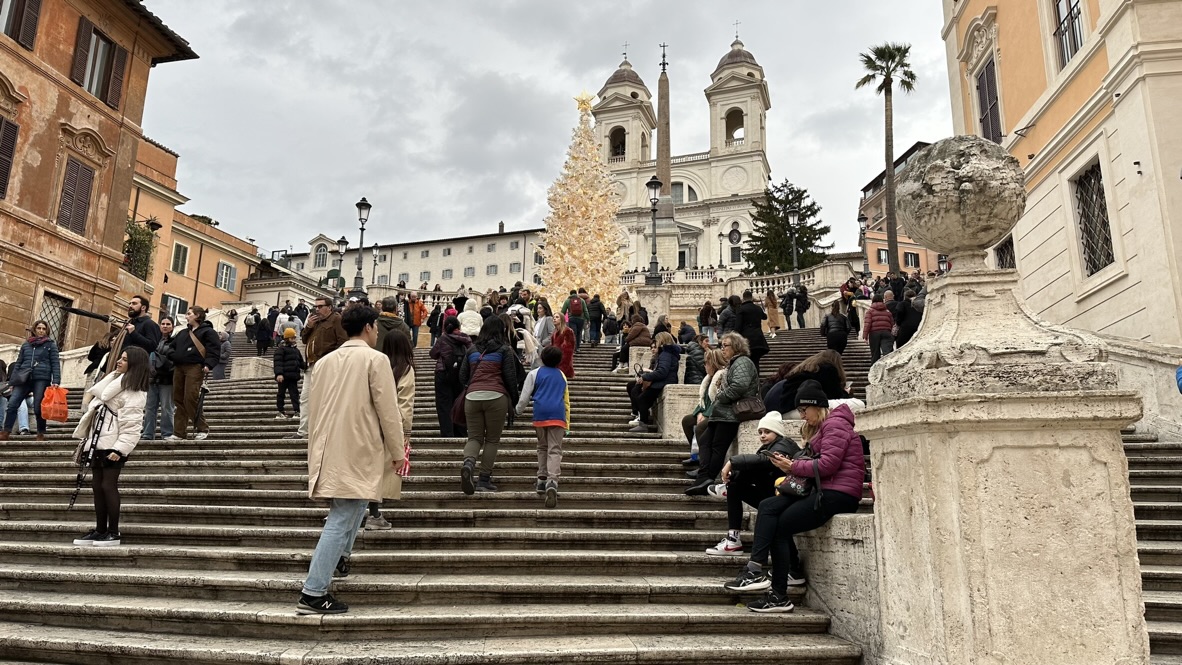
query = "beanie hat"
{"x": 289, "y": 333}
{"x": 810, "y": 393}
{"x": 773, "y": 422}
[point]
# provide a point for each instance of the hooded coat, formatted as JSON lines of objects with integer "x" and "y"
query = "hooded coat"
{"x": 122, "y": 426}
{"x": 388, "y": 321}
{"x": 840, "y": 459}
{"x": 470, "y": 319}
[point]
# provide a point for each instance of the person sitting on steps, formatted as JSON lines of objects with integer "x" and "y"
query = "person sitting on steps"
{"x": 694, "y": 425}
{"x": 647, "y": 389}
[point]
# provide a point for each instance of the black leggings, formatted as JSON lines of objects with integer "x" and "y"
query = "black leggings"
{"x": 782, "y": 517}
{"x": 106, "y": 492}
{"x": 712, "y": 448}
{"x": 746, "y": 488}
{"x": 643, "y": 400}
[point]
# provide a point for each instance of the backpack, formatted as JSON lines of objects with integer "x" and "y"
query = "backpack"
{"x": 610, "y": 325}
{"x": 451, "y": 368}
{"x": 251, "y": 320}
{"x": 576, "y": 307}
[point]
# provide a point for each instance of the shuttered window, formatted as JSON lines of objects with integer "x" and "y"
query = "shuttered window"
{"x": 75, "y": 200}
{"x": 8, "y": 134}
{"x": 20, "y": 20}
{"x": 180, "y": 258}
{"x": 988, "y": 107}
{"x": 227, "y": 277}
{"x": 99, "y": 64}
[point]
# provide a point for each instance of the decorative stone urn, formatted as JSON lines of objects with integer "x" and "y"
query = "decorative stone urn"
{"x": 1003, "y": 517}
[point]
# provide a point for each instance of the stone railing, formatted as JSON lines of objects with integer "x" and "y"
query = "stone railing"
{"x": 430, "y": 298}
{"x": 1150, "y": 370}
{"x": 696, "y": 157}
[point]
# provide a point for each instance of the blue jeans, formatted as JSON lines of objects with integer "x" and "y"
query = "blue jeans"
{"x": 19, "y": 393}
{"x": 708, "y": 331}
{"x": 159, "y": 397}
{"x": 414, "y": 338}
{"x": 596, "y": 329}
{"x": 22, "y": 414}
{"x": 336, "y": 541}
{"x": 577, "y": 326}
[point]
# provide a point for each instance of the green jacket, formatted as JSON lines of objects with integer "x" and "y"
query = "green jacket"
{"x": 742, "y": 380}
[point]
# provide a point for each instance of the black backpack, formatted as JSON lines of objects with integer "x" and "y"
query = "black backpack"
{"x": 451, "y": 367}
{"x": 610, "y": 325}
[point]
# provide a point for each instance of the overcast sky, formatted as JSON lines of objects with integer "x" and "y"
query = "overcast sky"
{"x": 451, "y": 116}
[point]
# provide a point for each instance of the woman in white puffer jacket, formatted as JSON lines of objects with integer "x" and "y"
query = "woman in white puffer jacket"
{"x": 109, "y": 429}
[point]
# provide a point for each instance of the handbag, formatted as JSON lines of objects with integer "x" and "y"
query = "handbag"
{"x": 750, "y": 408}
{"x": 458, "y": 417}
{"x": 21, "y": 376}
{"x": 792, "y": 485}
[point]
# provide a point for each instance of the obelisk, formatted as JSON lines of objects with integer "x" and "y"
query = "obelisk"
{"x": 664, "y": 151}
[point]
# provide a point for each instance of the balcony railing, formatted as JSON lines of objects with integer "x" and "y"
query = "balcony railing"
{"x": 618, "y": 159}
{"x": 696, "y": 157}
{"x": 734, "y": 143}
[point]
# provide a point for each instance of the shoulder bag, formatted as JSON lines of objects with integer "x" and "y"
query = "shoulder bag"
{"x": 458, "y": 417}
{"x": 750, "y": 408}
{"x": 197, "y": 343}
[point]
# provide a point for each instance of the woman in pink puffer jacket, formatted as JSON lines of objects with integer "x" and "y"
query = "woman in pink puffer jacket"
{"x": 839, "y": 464}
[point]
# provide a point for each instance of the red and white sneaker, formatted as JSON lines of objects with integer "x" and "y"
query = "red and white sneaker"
{"x": 726, "y": 547}
{"x": 717, "y": 491}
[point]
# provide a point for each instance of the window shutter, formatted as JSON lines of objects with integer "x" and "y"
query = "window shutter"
{"x": 28, "y": 25}
{"x": 115, "y": 84}
{"x": 82, "y": 199}
{"x": 81, "y": 50}
{"x": 994, "y": 110}
{"x": 69, "y": 186}
{"x": 8, "y": 133}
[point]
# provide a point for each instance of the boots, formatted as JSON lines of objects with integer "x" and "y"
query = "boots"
{"x": 466, "y": 484}
{"x": 485, "y": 483}
{"x": 40, "y": 436}
{"x": 4, "y": 434}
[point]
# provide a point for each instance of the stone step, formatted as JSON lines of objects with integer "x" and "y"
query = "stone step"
{"x": 402, "y": 518}
{"x": 258, "y": 619}
{"x": 1170, "y": 510}
{"x": 1159, "y": 552}
{"x": 1162, "y": 578}
{"x": 1165, "y": 637}
{"x": 1159, "y": 529}
{"x": 84, "y": 646}
{"x": 34, "y": 555}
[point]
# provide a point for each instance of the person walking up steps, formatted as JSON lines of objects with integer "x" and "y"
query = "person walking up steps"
{"x": 546, "y": 387}
{"x": 288, "y": 363}
{"x": 322, "y": 335}
{"x": 396, "y": 347}
{"x": 490, "y": 375}
{"x": 354, "y": 450}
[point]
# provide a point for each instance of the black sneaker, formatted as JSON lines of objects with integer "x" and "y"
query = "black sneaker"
{"x": 485, "y": 484}
{"x": 540, "y": 488}
{"x": 89, "y": 538}
{"x": 108, "y": 540}
{"x": 770, "y": 603}
{"x": 466, "y": 484}
{"x": 749, "y": 580}
{"x": 342, "y": 569}
{"x": 325, "y": 604}
{"x": 552, "y": 494}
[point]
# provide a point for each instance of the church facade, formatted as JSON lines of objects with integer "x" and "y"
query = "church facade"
{"x": 705, "y": 216}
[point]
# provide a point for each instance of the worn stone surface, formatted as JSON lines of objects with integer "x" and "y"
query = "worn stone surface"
{"x": 843, "y": 580}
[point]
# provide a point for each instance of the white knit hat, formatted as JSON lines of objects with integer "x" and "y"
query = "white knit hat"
{"x": 774, "y": 422}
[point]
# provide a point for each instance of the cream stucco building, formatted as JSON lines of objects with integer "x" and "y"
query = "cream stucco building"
{"x": 710, "y": 191}
{"x": 1085, "y": 93}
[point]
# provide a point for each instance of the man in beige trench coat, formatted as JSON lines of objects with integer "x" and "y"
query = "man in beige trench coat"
{"x": 355, "y": 445}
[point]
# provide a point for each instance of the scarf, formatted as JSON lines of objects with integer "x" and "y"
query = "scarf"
{"x": 37, "y": 341}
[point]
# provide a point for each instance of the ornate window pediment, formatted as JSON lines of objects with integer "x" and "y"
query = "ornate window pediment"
{"x": 10, "y": 98}
{"x": 980, "y": 42}
{"x": 87, "y": 144}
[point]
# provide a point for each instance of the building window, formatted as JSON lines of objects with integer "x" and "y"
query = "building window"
{"x": 404, "y": 277}
{"x": 1068, "y": 29}
{"x": 447, "y": 251}
{"x": 321, "y": 257}
{"x": 683, "y": 193}
{"x": 492, "y": 247}
{"x": 227, "y": 277}
{"x": 99, "y": 64}
{"x": 515, "y": 268}
{"x": 911, "y": 259}
{"x": 173, "y": 306}
{"x": 300, "y": 265}
{"x": 539, "y": 260}
{"x": 884, "y": 257}
{"x": 490, "y": 270}
{"x": 1094, "y": 230}
{"x": 514, "y": 244}
{"x": 53, "y": 312}
{"x": 383, "y": 280}
{"x": 75, "y": 202}
{"x": 382, "y": 258}
{"x": 425, "y": 276}
{"x": 424, "y": 254}
{"x": 537, "y": 279}
{"x": 8, "y": 134}
{"x": 469, "y": 272}
{"x": 471, "y": 248}
{"x": 736, "y": 254}
{"x": 447, "y": 274}
{"x": 1003, "y": 254}
{"x": 989, "y": 111}
{"x": 19, "y": 19}
{"x": 180, "y": 258}
{"x": 405, "y": 255}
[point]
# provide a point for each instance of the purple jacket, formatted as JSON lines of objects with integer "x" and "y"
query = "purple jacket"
{"x": 839, "y": 450}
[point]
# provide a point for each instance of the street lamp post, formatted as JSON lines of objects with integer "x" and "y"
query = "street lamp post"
{"x": 374, "y": 278}
{"x": 342, "y": 247}
{"x": 793, "y": 218}
{"x": 720, "y": 237}
{"x": 363, "y": 207}
{"x": 862, "y": 220}
{"x": 654, "y": 195}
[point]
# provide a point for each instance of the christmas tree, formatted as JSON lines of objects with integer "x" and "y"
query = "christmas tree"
{"x": 770, "y": 247}
{"x": 582, "y": 239}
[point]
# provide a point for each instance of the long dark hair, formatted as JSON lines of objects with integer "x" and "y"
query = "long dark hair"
{"x": 492, "y": 335}
{"x": 138, "y": 373}
{"x": 396, "y": 346}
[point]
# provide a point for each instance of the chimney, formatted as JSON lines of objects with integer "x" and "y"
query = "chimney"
{"x": 501, "y": 227}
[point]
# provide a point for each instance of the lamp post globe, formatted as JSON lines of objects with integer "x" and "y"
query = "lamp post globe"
{"x": 654, "y": 195}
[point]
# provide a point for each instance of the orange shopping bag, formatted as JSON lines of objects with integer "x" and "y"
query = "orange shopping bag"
{"x": 53, "y": 405}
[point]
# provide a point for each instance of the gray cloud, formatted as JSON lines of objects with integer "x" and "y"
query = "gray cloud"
{"x": 453, "y": 116}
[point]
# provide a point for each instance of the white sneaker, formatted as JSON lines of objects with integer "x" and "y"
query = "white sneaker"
{"x": 173, "y": 437}
{"x": 717, "y": 492}
{"x": 201, "y": 436}
{"x": 726, "y": 547}
{"x": 634, "y": 422}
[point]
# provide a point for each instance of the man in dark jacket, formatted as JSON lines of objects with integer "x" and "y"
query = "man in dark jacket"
{"x": 389, "y": 320}
{"x": 787, "y": 304}
{"x": 751, "y": 317}
{"x": 322, "y": 335}
{"x": 287, "y": 365}
{"x": 576, "y": 306}
{"x": 196, "y": 351}
{"x": 898, "y": 284}
{"x": 802, "y": 305}
{"x": 142, "y": 331}
{"x": 595, "y": 314}
{"x": 686, "y": 333}
{"x": 301, "y": 311}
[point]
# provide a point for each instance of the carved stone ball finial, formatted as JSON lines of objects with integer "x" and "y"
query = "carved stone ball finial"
{"x": 961, "y": 196}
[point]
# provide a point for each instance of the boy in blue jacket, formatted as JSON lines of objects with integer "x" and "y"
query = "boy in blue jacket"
{"x": 546, "y": 386}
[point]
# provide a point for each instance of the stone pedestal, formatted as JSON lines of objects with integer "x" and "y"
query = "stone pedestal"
{"x": 253, "y": 368}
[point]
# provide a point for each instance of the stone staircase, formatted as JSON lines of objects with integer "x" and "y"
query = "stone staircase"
{"x": 218, "y": 535}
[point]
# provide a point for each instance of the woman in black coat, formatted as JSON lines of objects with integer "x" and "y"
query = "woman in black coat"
{"x": 908, "y": 319}
{"x": 836, "y": 328}
{"x": 751, "y": 318}
{"x": 802, "y": 304}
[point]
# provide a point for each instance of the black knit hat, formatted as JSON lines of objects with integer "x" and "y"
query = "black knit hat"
{"x": 810, "y": 393}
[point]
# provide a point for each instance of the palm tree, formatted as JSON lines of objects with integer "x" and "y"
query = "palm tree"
{"x": 887, "y": 64}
